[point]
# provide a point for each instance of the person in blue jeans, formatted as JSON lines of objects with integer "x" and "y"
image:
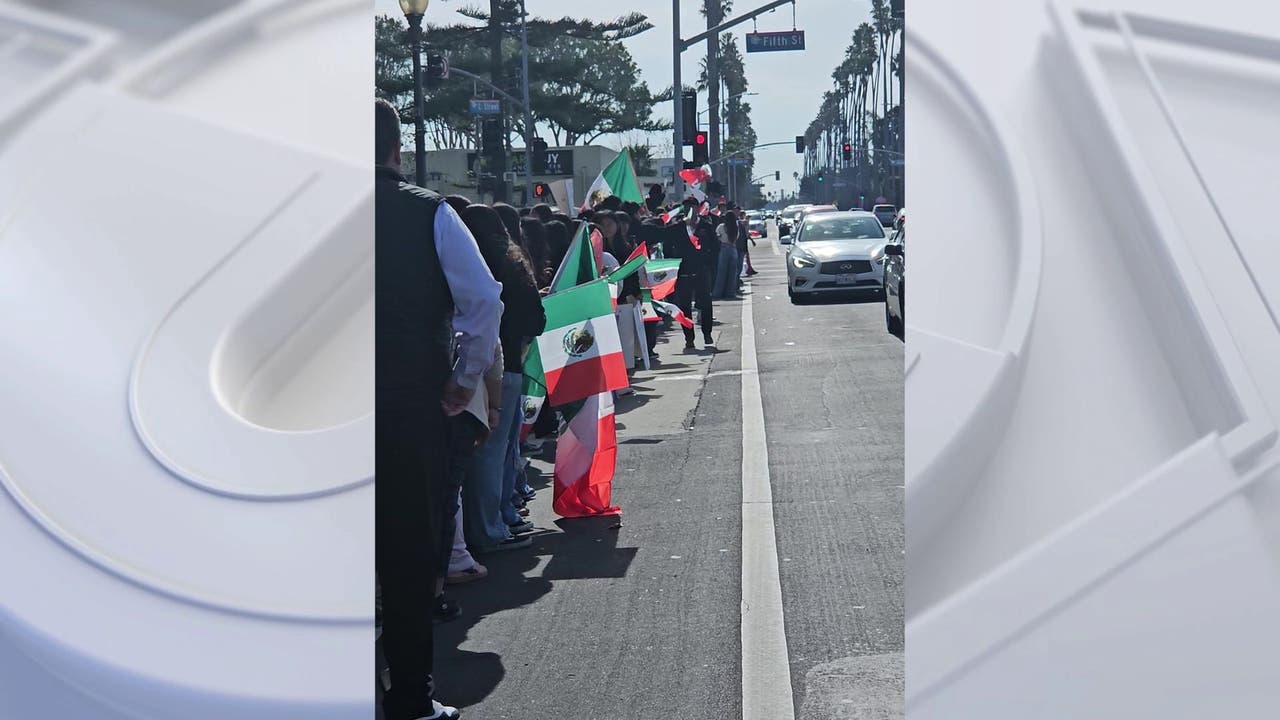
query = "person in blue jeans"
{"x": 490, "y": 521}
{"x": 730, "y": 262}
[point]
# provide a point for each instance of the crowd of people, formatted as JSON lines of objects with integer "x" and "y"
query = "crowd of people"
{"x": 459, "y": 288}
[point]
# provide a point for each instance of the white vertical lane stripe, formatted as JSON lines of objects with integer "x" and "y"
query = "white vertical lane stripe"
{"x": 766, "y": 667}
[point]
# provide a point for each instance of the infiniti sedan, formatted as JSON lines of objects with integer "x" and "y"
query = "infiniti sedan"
{"x": 836, "y": 252}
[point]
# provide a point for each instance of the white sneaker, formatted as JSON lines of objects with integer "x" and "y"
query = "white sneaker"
{"x": 441, "y": 712}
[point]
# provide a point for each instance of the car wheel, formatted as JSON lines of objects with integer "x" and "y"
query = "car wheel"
{"x": 891, "y": 323}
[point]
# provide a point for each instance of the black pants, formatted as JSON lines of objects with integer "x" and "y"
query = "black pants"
{"x": 411, "y": 460}
{"x": 695, "y": 289}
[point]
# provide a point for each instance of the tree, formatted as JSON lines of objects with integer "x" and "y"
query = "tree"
{"x": 583, "y": 81}
{"x": 861, "y": 108}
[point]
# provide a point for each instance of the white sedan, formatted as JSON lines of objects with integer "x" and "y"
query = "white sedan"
{"x": 836, "y": 252}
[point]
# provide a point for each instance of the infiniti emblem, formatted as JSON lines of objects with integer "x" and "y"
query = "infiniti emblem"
{"x": 847, "y": 266}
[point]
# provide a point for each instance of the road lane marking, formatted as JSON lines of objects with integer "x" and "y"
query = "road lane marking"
{"x": 766, "y": 667}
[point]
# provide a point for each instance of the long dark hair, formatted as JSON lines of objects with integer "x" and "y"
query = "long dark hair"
{"x": 557, "y": 243}
{"x": 535, "y": 243}
{"x": 505, "y": 259}
{"x": 511, "y": 218}
{"x": 730, "y": 221}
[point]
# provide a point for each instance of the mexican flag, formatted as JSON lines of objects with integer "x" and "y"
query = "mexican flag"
{"x": 648, "y": 313}
{"x": 534, "y": 393}
{"x": 586, "y": 458}
{"x": 580, "y": 352}
{"x": 579, "y": 264}
{"x": 662, "y": 276}
{"x": 617, "y": 178}
{"x": 634, "y": 262}
{"x": 674, "y": 312}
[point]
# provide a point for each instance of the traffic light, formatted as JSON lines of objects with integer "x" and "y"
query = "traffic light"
{"x": 800, "y": 144}
{"x": 847, "y": 151}
{"x": 822, "y": 177}
{"x": 538, "y": 156}
{"x": 491, "y": 135}
{"x": 700, "y": 148}
{"x": 688, "y": 116}
{"x": 777, "y": 175}
{"x": 436, "y": 71}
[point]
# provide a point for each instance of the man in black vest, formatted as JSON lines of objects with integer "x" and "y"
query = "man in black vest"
{"x": 430, "y": 283}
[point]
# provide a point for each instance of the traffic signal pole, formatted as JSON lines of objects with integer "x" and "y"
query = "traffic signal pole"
{"x": 528, "y": 111}
{"x": 678, "y": 46}
{"x": 677, "y": 91}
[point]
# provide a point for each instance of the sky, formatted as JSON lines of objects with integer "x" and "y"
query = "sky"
{"x": 790, "y": 84}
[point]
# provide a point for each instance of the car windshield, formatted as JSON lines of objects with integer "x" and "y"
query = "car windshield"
{"x": 858, "y": 227}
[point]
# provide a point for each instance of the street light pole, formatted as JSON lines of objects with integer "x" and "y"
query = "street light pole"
{"x": 413, "y": 12}
{"x": 677, "y": 89}
{"x": 528, "y": 112}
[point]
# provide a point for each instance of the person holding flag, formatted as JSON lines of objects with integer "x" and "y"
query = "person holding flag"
{"x": 693, "y": 242}
{"x": 617, "y": 179}
{"x": 629, "y": 286}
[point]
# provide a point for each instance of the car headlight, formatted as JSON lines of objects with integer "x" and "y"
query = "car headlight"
{"x": 802, "y": 260}
{"x": 877, "y": 256}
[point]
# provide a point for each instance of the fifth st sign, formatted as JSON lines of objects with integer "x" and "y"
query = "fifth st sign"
{"x": 775, "y": 41}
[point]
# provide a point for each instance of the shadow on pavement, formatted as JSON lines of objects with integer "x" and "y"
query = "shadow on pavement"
{"x": 583, "y": 548}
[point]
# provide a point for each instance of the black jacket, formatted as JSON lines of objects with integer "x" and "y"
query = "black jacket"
{"x": 523, "y": 318}
{"x": 413, "y": 306}
{"x": 675, "y": 244}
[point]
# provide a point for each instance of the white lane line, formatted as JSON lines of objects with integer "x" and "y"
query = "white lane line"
{"x": 766, "y": 667}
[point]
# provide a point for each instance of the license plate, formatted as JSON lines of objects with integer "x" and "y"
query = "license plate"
{"x": 846, "y": 279}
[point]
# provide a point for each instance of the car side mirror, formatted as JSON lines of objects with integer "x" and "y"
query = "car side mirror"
{"x": 893, "y": 249}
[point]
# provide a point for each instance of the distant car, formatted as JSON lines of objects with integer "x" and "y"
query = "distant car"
{"x": 791, "y": 213}
{"x": 757, "y": 227}
{"x": 836, "y": 252}
{"x": 901, "y": 220}
{"x": 885, "y": 214}
{"x": 894, "y": 282}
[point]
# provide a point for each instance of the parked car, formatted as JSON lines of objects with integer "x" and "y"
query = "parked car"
{"x": 894, "y": 283}
{"x": 885, "y": 214}
{"x": 836, "y": 252}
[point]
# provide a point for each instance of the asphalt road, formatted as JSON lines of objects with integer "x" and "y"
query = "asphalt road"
{"x": 641, "y": 620}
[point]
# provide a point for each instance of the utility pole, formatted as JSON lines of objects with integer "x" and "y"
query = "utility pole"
{"x": 677, "y": 88}
{"x": 678, "y": 46}
{"x": 498, "y": 155}
{"x": 714, "y": 17}
{"x": 528, "y": 111}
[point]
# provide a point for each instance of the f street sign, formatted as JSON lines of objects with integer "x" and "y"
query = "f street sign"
{"x": 480, "y": 106}
{"x": 775, "y": 41}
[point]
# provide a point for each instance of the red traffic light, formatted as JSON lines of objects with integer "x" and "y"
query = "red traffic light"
{"x": 848, "y": 147}
{"x": 700, "y": 138}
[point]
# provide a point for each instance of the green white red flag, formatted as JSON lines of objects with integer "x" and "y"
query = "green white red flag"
{"x": 634, "y": 262}
{"x": 617, "y": 178}
{"x": 586, "y": 459}
{"x": 662, "y": 276}
{"x": 533, "y": 395}
{"x": 580, "y": 352}
{"x": 579, "y": 264}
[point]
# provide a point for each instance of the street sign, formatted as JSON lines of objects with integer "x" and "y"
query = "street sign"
{"x": 480, "y": 106}
{"x": 897, "y": 162}
{"x": 738, "y": 161}
{"x": 775, "y": 41}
